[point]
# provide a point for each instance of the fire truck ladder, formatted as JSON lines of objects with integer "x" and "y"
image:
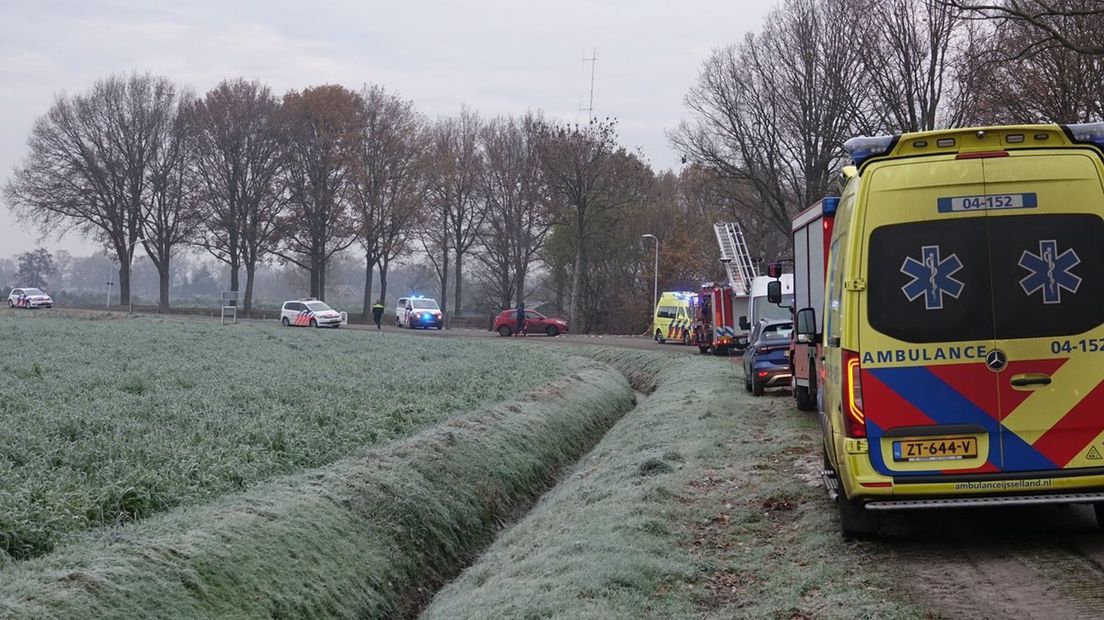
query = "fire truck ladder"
{"x": 735, "y": 256}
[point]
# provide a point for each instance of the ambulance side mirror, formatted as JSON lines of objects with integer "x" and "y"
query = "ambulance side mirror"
{"x": 806, "y": 324}
{"x": 744, "y": 325}
{"x": 774, "y": 291}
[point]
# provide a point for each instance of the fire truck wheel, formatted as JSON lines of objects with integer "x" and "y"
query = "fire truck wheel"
{"x": 703, "y": 349}
{"x": 804, "y": 398}
{"x": 659, "y": 337}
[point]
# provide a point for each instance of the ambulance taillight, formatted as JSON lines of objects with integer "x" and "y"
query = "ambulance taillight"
{"x": 854, "y": 420}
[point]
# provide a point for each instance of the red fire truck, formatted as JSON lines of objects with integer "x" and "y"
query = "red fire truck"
{"x": 714, "y": 327}
{"x": 812, "y": 232}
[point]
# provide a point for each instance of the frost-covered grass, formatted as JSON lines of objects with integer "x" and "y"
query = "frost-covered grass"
{"x": 370, "y": 536}
{"x": 103, "y": 422}
{"x": 697, "y": 504}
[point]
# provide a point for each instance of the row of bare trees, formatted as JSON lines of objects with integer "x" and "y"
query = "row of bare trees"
{"x": 248, "y": 177}
{"x": 770, "y": 113}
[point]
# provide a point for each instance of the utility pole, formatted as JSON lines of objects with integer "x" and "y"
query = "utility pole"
{"x": 593, "y": 60}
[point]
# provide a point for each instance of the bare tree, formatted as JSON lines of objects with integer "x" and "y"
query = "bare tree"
{"x": 772, "y": 113}
{"x": 238, "y": 160}
{"x": 386, "y": 179}
{"x": 1047, "y": 84}
{"x": 322, "y": 134}
{"x": 592, "y": 179}
{"x": 1070, "y": 24}
{"x": 908, "y": 57}
{"x": 455, "y": 208}
{"x": 89, "y": 161}
{"x": 519, "y": 209}
{"x": 171, "y": 213}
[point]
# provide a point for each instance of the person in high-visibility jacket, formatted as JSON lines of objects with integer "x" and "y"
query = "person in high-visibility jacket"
{"x": 377, "y": 314}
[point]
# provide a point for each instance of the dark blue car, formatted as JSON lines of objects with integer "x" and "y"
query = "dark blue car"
{"x": 766, "y": 360}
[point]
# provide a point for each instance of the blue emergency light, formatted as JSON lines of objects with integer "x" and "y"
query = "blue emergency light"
{"x": 863, "y": 148}
{"x": 829, "y": 205}
{"x": 1091, "y": 133}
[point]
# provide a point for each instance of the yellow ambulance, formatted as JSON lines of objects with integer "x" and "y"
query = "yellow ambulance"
{"x": 963, "y": 332}
{"x": 673, "y": 317}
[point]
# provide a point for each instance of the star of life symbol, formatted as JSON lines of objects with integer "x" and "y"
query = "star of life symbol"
{"x": 932, "y": 277}
{"x": 1050, "y": 271}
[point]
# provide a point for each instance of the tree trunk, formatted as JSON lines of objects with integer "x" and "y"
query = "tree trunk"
{"x": 250, "y": 275}
{"x": 444, "y": 289}
{"x": 370, "y": 264}
{"x": 575, "y": 273}
{"x": 458, "y": 287}
{"x": 315, "y": 276}
{"x": 235, "y": 267}
{"x": 124, "y": 283}
{"x": 163, "y": 277}
{"x": 383, "y": 278}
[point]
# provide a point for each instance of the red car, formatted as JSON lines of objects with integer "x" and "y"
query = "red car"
{"x": 535, "y": 323}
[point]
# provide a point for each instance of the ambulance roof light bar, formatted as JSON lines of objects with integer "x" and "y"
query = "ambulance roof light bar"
{"x": 862, "y": 148}
{"x": 1092, "y": 133}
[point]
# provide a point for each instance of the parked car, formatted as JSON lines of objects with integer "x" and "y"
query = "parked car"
{"x": 29, "y": 298}
{"x": 766, "y": 364}
{"x": 535, "y": 323}
{"x": 415, "y": 312}
{"x": 309, "y": 313}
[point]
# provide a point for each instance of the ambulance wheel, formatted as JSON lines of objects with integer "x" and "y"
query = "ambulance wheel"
{"x": 804, "y": 398}
{"x": 757, "y": 388}
{"x": 1098, "y": 508}
{"x": 658, "y": 335}
{"x": 856, "y": 522}
{"x": 703, "y": 349}
{"x": 504, "y": 331}
{"x": 313, "y": 323}
{"x": 552, "y": 331}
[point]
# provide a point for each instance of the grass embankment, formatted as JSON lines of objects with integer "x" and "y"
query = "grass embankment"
{"x": 107, "y": 421}
{"x": 701, "y": 503}
{"x": 366, "y": 537}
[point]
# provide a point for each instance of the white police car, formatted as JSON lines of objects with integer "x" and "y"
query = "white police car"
{"x": 415, "y": 312}
{"x": 309, "y": 313}
{"x": 29, "y": 298}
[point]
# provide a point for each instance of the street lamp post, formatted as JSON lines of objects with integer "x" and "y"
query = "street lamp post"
{"x": 655, "y": 272}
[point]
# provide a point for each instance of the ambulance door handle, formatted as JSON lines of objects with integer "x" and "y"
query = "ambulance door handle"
{"x": 1030, "y": 380}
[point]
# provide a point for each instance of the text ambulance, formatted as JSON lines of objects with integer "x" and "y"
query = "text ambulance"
{"x": 963, "y": 323}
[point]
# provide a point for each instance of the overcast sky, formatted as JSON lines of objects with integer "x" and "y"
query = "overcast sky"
{"x": 497, "y": 56}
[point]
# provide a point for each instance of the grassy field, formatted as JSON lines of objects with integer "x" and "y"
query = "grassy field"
{"x": 106, "y": 421}
{"x": 371, "y": 536}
